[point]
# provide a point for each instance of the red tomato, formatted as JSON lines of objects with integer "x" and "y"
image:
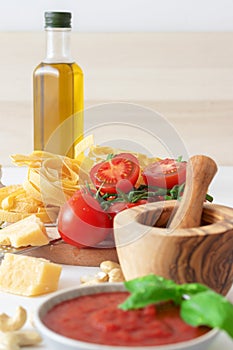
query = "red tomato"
{"x": 82, "y": 222}
{"x": 117, "y": 207}
{"x": 165, "y": 173}
{"x": 121, "y": 172}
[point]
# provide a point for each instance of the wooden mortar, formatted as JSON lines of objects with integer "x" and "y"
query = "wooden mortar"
{"x": 157, "y": 237}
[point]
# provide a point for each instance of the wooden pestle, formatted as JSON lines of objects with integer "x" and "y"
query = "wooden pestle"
{"x": 200, "y": 172}
{"x": 192, "y": 252}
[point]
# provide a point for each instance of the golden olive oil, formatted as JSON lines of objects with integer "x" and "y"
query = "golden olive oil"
{"x": 58, "y": 107}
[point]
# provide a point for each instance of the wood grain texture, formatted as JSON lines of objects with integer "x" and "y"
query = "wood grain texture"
{"x": 63, "y": 253}
{"x": 200, "y": 172}
{"x": 203, "y": 254}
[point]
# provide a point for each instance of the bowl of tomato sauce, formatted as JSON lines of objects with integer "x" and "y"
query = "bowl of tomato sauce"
{"x": 89, "y": 317}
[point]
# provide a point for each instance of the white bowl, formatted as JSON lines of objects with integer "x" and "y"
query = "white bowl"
{"x": 59, "y": 342}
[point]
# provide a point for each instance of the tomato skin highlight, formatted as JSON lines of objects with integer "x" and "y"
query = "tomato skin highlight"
{"x": 117, "y": 207}
{"x": 165, "y": 173}
{"x": 82, "y": 222}
{"x": 119, "y": 173}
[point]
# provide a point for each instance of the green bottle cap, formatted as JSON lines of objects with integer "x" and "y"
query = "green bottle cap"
{"x": 57, "y": 19}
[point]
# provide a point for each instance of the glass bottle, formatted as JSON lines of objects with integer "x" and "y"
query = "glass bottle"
{"x": 58, "y": 91}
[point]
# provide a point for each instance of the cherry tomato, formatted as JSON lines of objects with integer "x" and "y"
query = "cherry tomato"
{"x": 117, "y": 207}
{"x": 165, "y": 173}
{"x": 82, "y": 222}
{"x": 119, "y": 173}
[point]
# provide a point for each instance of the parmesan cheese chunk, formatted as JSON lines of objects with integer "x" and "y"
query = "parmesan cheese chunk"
{"x": 28, "y": 231}
{"x": 28, "y": 276}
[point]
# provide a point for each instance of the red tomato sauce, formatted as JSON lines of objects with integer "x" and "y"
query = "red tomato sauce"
{"x": 97, "y": 319}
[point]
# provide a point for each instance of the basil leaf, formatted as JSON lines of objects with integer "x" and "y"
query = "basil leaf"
{"x": 142, "y": 283}
{"x": 152, "y": 289}
{"x": 150, "y": 296}
{"x": 191, "y": 288}
{"x": 156, "y": 282}
{"x": 149, "y": 290}
{"x": 210, "y": 309}
{"x": 199, "y": 304}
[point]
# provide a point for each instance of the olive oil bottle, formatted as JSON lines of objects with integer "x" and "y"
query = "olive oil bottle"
{"x": 58, "y": 91}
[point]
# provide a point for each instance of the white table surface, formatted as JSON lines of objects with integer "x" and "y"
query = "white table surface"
{"x": 222, "y": 191}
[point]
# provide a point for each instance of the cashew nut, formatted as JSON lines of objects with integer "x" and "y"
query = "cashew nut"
{"x": 107, "y": 266}
{"x": 14, "y": 340}
{"x": 110, "y": 272}
{"x": 8, "y": 341}
{"x": 28, "y": 337}
{"x": 100, "y": 277}
{"x": 116, "y": 275}
{"x": 14, "y": 323}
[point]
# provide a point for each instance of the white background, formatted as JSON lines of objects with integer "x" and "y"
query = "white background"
{"x": 121, "y": 15}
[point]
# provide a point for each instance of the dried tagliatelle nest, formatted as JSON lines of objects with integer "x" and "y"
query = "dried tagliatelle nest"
{"x": 51, "y": 180}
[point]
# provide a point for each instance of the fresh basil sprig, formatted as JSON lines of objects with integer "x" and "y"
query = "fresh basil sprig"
{"x": 199, "y": 305}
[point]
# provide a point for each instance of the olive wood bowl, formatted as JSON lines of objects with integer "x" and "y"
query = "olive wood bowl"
{"x": 201, "y": 254}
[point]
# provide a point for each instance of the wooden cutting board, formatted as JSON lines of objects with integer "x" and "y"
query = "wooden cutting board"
{"x": 61, "y": 252}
